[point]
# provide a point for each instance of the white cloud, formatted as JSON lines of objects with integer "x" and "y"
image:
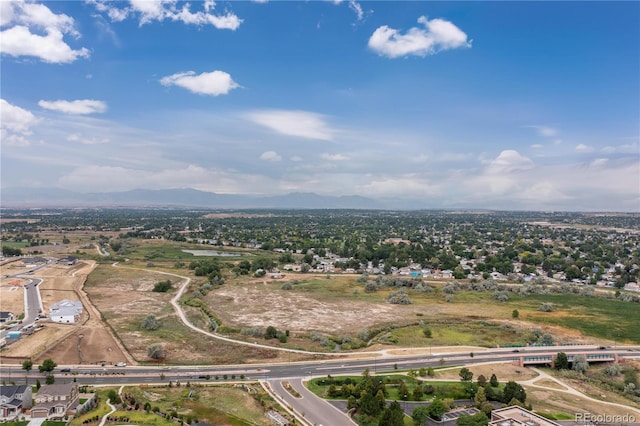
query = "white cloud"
{"x": 334, "y": 157}
{"x": 509, "y": 161}
{"x": 544, "y": 131}
{"x": 15, "y": 119}
{"x": 357, "y": 8}
{"x": 296, "y": 158}
{"x": 436, "y": 36}
{"x": 270, "y": 156}
{"x": 399, "y": 186}
{"x": 537, "y": 146}
{"x": 213, "y": 83}
{"x": 74, "y": 137}
{"x": 149, "y": 11}
{"x": 24, "y": 20}
{"x": 293, "y": 123}
{"x": 583, "y": 148}
{"x": 80, "y": 106}
{"x": 599, "y": 162}
{"x": 631, "y": 148}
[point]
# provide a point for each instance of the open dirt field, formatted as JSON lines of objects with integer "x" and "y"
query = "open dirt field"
{"x": 260, "y": 306}
{"x": 12, "y": 296}
{"x": 504, "y": 372}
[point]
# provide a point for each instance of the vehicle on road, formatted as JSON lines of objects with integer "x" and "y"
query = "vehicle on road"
{"x": 120, "y": 364}
{"x": 65, "y": 370}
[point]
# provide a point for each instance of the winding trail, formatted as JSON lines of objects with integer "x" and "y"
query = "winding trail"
{"x": 568, "y": 389}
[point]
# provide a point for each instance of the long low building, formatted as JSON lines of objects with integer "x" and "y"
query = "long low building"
{"x": 65, "y": 311}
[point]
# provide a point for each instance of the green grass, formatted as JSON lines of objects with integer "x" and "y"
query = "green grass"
{"x": 593, "y": 316}
{"x": 54, "y": 423}
{"x": 23, "y": 423}
{"x": 99, "y": 411}
{"x": 142, "y": 418}
{"x": 14, "y": 244}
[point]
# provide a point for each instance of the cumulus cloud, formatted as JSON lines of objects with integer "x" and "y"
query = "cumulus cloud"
{"x": 80, "y": 106}
{"x": 509, "y": 161}
{"x": 16, "y": 119}
{"x": 213, "y": 83}
{"x": 583, "y": 148}
{"x": 148, "y": 11}
{"x": 599, "y": 162}
{"x": 303, "y": 124}
{"x": 436, "y": 36}
{"x": 334, "y": 157}
{"x": 270, "y": 156}
{"x": 23, "y": 24}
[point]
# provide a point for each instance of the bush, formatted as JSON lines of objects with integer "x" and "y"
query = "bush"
{"x": 287, "y": 286}
{"x": 150, "y": 323}
{"x": 399, "y": 297}
{"x": 546, "y": 307}
{"x": 162, "y": 286}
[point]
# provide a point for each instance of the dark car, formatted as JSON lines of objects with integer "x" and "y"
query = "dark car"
{"x": 516, "y": 350}
{"x": 65, "y": 370}
{"x": 602, "y": 348}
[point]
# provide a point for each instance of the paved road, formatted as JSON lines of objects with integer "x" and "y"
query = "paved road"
{"x": 315, "y": 410}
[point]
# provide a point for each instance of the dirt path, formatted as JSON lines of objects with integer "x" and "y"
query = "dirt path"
{"x": 568, "y": 390}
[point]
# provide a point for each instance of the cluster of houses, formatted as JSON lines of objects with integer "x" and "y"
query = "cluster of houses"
{"x": 54, "y": 401}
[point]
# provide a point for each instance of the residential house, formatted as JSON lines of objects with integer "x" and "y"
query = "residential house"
{"x": 65, "y": 311}
{"x": 14, "y": 399}
{"x": 55, "y": 401}
{"x": 6, "y": 316}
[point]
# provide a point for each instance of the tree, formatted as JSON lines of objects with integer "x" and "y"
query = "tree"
{"x": 271, "y": 332}
{"x": 155, "y": 351}
{"x": 515, "y": 314}
{"x": 494, "y": 381}
{"x": 150, "y": 323}
{"x": 368, "y": 404}
{"x": 580, "y": 363}
{"x": 561, "y": 362}
{"x": 403, "y": 391}
{"x": 437, "y": 409}
{"x": 513, "y": 390}
{"x": 420, "y": 415}
{"x": 482, "y": 381}
{"x": 427, "y": 332}
{"x": 480, "y": 397}
{"x": 113, "y": 396}
{"x": 27, "y": 365}
{"x": 38, "y": 384}
{"x": 392, "y": 415}
{"x": 47, "y": 366}
{"x": 50, "y": 379}
{"x": 466, "y": 375}
{"x": 478, "y": 419}
{"x": 418, "y": 393}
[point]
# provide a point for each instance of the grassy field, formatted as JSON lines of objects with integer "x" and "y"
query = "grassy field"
{"x": 164, "y": 251}
{"x": 212, "y": 404}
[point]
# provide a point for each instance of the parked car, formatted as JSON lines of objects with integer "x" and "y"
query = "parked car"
{"x": 120, "y": 364}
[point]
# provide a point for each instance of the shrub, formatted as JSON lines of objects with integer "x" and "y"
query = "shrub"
{"x": 399, "y": 297}
{"x": 150, "y": 323}
{"x": 546, "y": 307}
{"x": 162, "y": 286}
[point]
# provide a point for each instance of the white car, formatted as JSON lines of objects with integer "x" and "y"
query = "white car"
{"x": 120, "y": 364}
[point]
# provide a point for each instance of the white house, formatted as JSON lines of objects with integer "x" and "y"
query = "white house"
{"x": 65, "y": 311}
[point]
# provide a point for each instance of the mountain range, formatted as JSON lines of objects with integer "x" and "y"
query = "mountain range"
{"x": 185, "y": 197}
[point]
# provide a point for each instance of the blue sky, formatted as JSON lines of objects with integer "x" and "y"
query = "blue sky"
{"x": 507, "y": 105}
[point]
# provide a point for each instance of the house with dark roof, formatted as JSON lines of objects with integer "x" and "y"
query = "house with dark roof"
{"x": 13, "y": 400}
{"x": 56, "y": 401}
{"x": 6, "y": 316}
